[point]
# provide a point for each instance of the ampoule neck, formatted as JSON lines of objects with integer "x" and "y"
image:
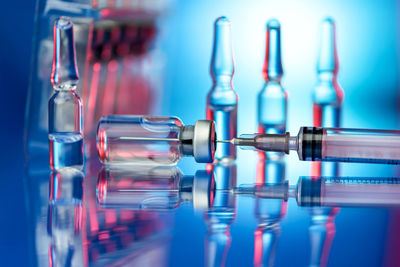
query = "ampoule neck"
{"x": 327, "y": 76}
{"x": 65, "y": 88}
{"x": 272, "y": 70}
{"x": 222, "y": 64}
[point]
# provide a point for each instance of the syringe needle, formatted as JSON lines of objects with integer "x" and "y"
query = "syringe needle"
{"x": 224, "y": 141}
{"x": 239, "y": 141}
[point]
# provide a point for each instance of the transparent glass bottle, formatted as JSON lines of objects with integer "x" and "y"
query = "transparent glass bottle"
{"x": 130, "y": 139}
{"x": 272, "y": 100}
{"x": 222, "y": 100}
{"x": 65, "y": 105}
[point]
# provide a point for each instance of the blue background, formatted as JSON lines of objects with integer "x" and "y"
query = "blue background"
{"x": 368, "y": 49}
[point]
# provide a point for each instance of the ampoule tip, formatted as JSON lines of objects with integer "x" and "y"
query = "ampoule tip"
{"x": 273, "y": 23}
{"x": 64, "y": 73}
{"x": 222, "y": 20}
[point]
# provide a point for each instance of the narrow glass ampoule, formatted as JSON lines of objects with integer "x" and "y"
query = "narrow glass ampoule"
{"x": 222, "y": 100}
{"x": 327, "y": 94}
{"x": 272, "y": 100}
{"x": 65, "y": 105}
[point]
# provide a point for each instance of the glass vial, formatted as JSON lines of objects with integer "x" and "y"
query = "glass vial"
{"x": 222, "y": 100}
{"x": 272, "y": 100}
{"x": 65, "y": 105}
{"x": 130, "y": 139}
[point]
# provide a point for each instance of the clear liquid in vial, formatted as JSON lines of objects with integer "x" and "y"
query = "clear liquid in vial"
{"x": 66, "y": 150}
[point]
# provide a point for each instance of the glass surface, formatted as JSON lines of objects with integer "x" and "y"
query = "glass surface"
{"x": 139, "y": 140}
{"x": 222, "y": 100}
{"x": 272, "y": 100}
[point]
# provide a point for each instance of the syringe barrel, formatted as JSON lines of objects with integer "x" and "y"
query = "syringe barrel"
{"x": 349, "y": 145}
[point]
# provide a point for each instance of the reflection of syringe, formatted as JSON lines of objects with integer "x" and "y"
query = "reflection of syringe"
{"x": 332, "y": 191}
{"x": 330, "y": 144}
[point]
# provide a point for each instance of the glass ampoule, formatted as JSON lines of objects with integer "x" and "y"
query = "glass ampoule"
{"x": 327, "y": 94}
{"x": 65, "y": 105}
{"x": 222, "y": 100}
{"x": 149, "y": 140}
{"x": 272, "y": 100}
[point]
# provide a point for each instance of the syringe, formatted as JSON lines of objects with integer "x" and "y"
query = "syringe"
{"x": 330, "y": 144}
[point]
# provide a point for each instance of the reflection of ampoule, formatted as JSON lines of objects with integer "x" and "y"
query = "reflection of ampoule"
{"x": 64, "y": 221}
{"x": 153, "y": 188}
{"x": 220, "y": 216}
{"x": 272, "y": 100}
{"x": 222, "y": 99}
{"x": 65, "y": 106}
{"x": 268, "y": 212}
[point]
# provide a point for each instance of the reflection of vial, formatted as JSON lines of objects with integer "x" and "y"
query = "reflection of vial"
{"x": 65, "y": 105}
{"x": 124, "y": 139}
{"x": 222, "y": 99}
{"x": 272, "y": 100}
{"x": 153, "y": 188}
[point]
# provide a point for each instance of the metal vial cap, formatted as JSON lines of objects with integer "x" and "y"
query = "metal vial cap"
{"x": 204, "y": 141}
